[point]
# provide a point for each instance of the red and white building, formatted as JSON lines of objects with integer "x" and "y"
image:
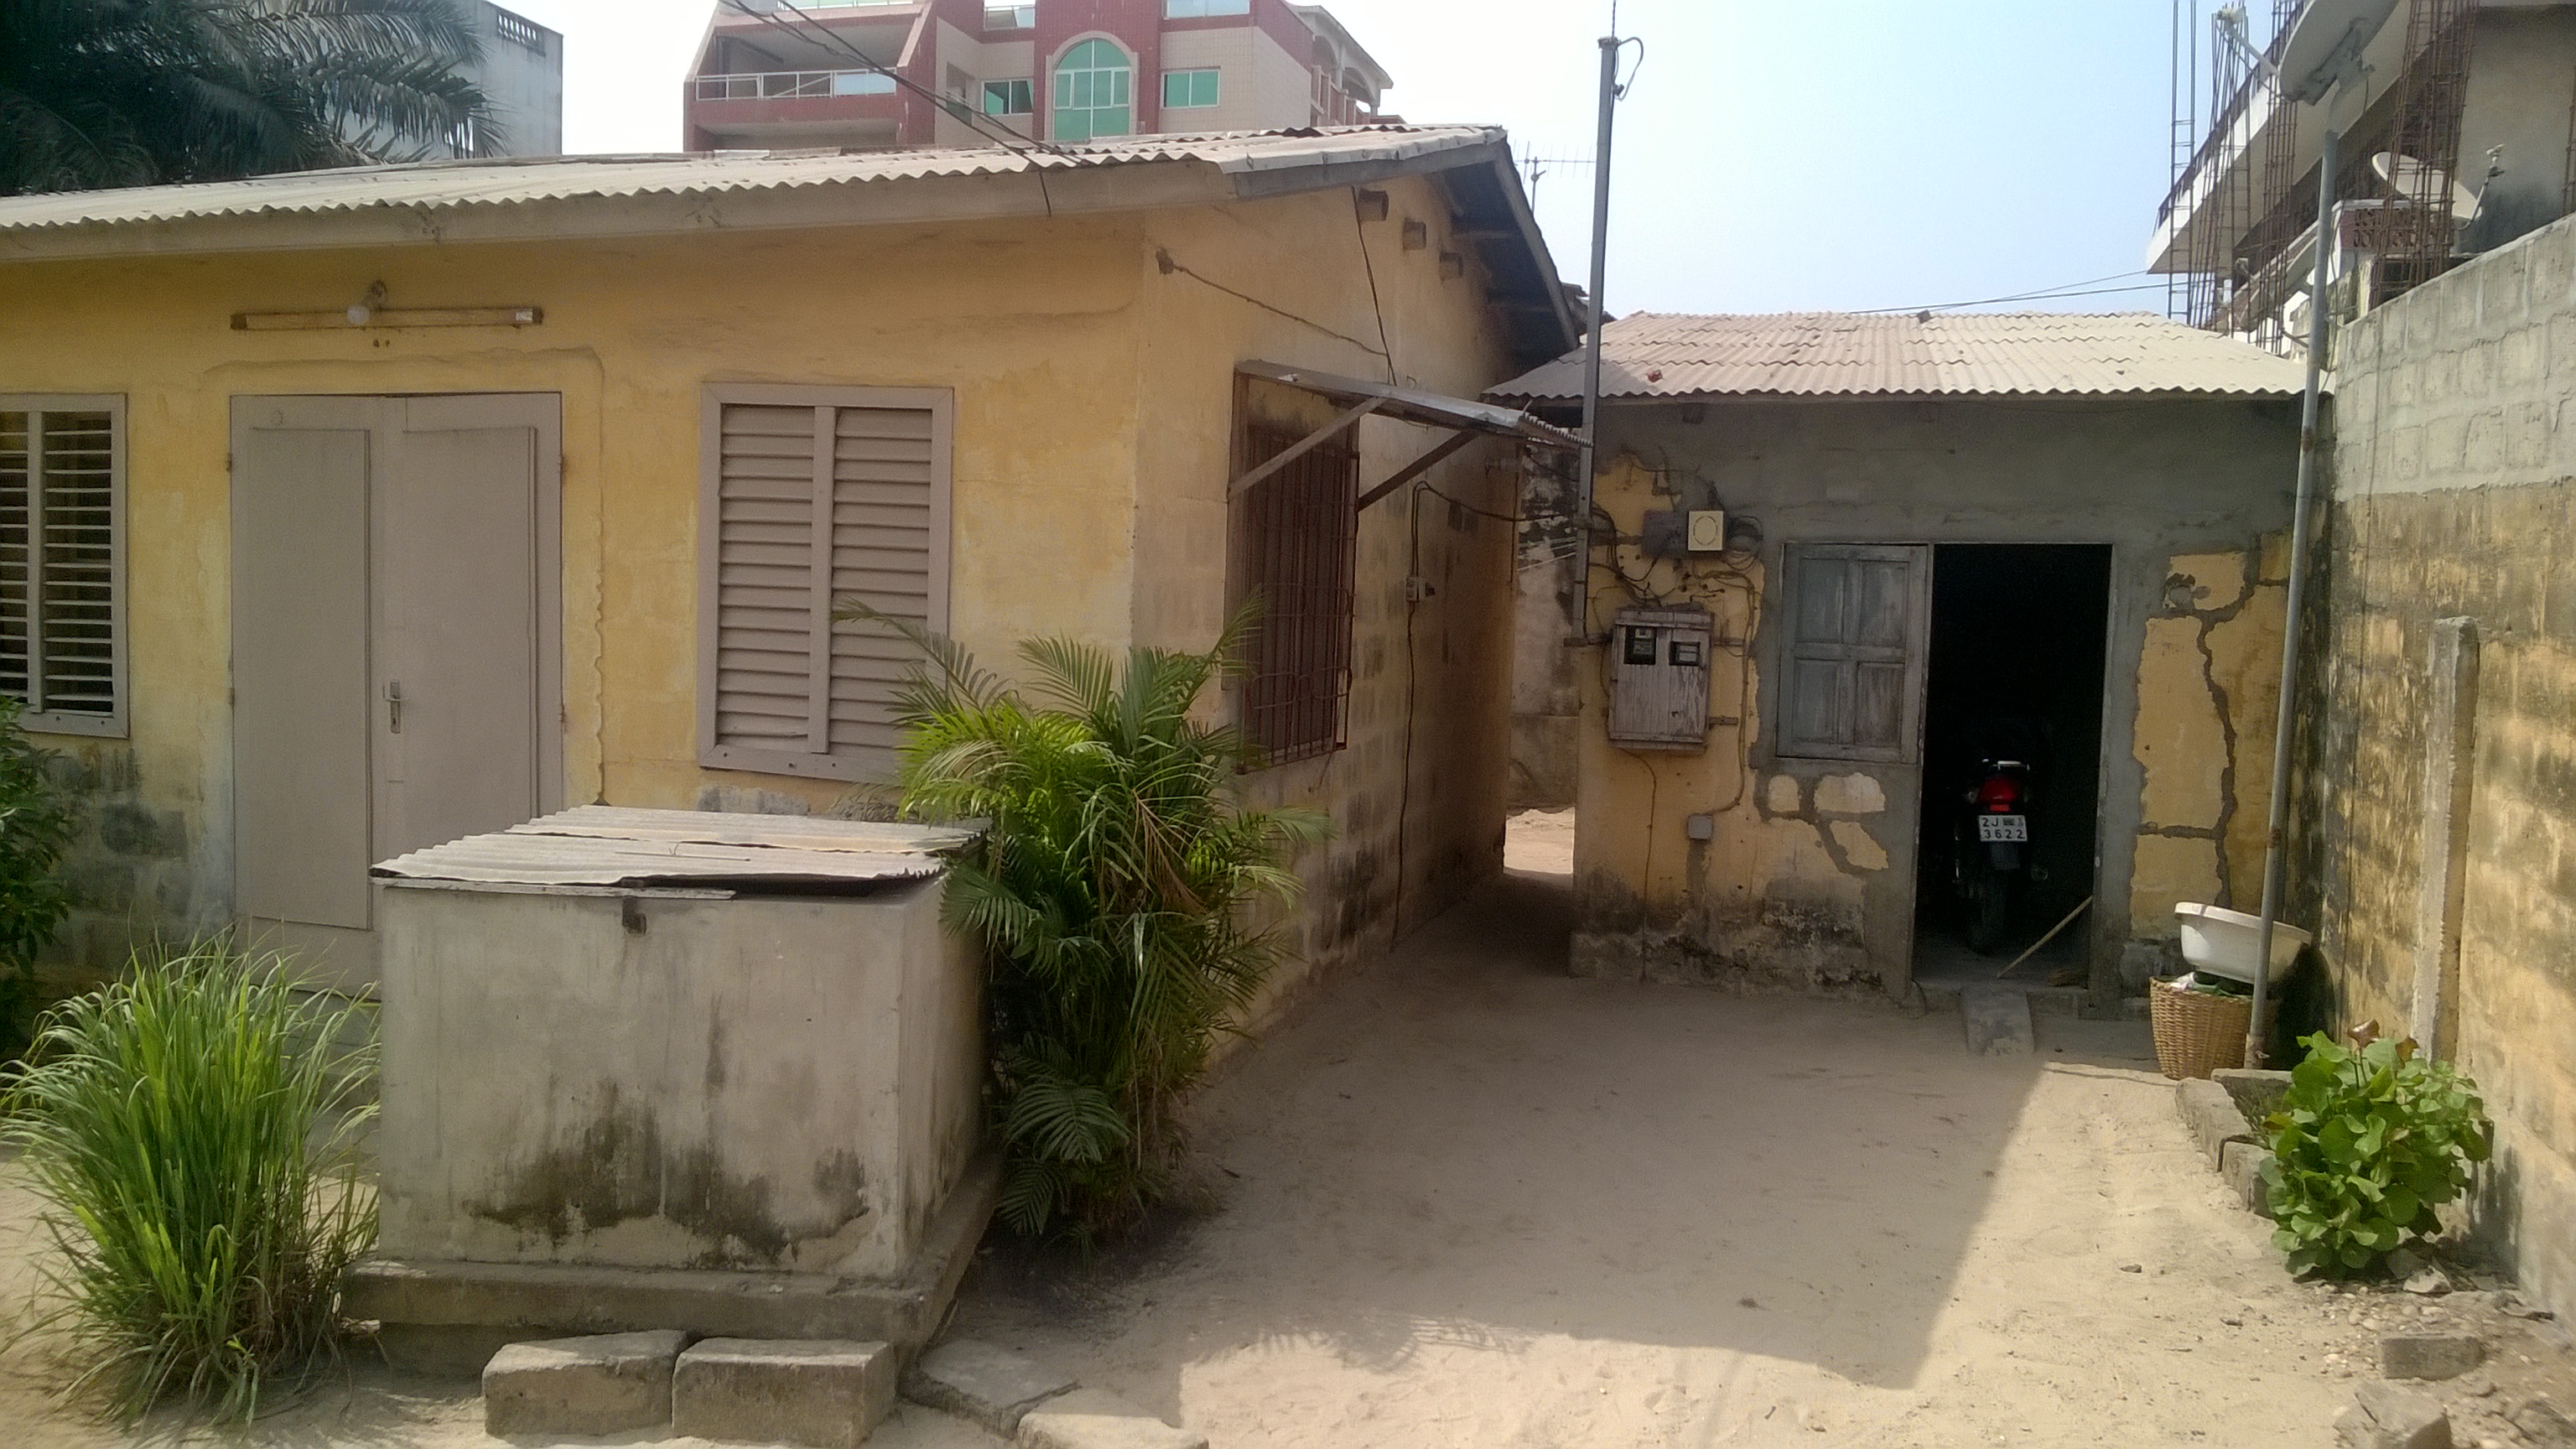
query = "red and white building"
{"x": 786, "y": 74}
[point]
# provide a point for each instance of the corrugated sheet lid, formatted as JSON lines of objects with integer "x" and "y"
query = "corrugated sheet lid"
{"x": 1843, "y": 354}
{"x": 600, "y": 845}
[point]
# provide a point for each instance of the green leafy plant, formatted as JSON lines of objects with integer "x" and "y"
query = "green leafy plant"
{"x": 132, "y": 92}
{"x": 2367, "y": 1146}
{"x": 1112, "y": 888}
{"x": 35, "y": 829}
{"x": 193, "y": 1132}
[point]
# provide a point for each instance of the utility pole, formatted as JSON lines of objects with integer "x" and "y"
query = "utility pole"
{"x": 1610, "y": 47}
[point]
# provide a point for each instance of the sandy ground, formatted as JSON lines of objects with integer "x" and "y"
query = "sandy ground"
{"x": 1465, "y": 1201}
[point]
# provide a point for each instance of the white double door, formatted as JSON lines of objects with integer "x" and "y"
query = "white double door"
{"x": 396, "y": 659}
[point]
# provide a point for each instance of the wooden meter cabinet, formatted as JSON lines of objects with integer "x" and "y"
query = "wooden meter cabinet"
{"x": 1659, "y": 679}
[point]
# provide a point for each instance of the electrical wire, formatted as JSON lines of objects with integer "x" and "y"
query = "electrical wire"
{"x": 1386, "y": 348}
{"x": 2068, "y": 289}
{"x": 1170, "y": 264}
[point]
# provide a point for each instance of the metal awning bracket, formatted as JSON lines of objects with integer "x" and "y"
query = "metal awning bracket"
{"x": 1447, "y": 448}
{"x": 1305, "y": 445}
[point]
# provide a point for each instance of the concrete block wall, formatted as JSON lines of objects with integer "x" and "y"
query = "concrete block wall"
{"x": 2454, "y": 497}
{"x": 135, "y": 872}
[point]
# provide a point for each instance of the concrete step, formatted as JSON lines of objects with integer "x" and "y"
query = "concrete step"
{"x": 991, "y": 1386}
{"x": 1998, "y": 1021}
{"x": 604, "y": 1384}
{"x": 817, "y": 1394}
{"x": 2044, "y": 1000}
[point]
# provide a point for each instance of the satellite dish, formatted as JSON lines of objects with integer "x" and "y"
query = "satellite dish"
{"x": 2417, "y": 182}
{"x": 2328, "y": 36}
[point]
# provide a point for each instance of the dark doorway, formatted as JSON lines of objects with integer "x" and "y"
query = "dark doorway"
{"x": 2014, "y": 696}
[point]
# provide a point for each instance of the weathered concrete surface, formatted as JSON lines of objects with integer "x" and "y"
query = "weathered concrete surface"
{"x": 1800, "y": 891}
{"x": 1097, "y": 1419}
{"x": 1997, "y": 1021}
{"x": 445, "y": 1317}
{"x": 990, "y": 1385}
{"x": 2391, "y": 1416}
{"x": 2455, "y": 499}
{"x": 819, "y": 1394}
{"x": 600, "y": 1385}
{"x": 785, "y": 1085}
{"x": 2257, "y": 1091}
{"x": 2430, "y": 1355}
{"x": 2241, "y": 1165}
{"x": 2213, "y": 1116}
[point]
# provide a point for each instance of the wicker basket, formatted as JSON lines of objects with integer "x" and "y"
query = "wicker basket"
{"x": 2197, "y": 1033}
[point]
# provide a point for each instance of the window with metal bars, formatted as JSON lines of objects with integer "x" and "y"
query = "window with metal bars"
{"x": 62, "y": 566}
{"x": 1297, "y": 542}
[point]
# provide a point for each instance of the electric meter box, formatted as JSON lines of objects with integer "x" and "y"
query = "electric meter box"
{"x": 1659, "y": 663}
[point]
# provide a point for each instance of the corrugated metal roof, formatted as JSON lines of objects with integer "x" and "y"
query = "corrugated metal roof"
{"x": 597, "y": 845}
{"x": 514, "y": 181}
{"x": 1842, "y": 354}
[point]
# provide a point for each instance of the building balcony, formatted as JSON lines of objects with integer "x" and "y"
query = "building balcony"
{"x": 773, "y": 109}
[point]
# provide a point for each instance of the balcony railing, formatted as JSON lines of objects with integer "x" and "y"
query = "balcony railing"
{"x": 791, "y": 85}
{"x": 769, "y": 6}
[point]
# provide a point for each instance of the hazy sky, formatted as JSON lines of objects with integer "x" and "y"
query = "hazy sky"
{"x": 1773, "y": 155}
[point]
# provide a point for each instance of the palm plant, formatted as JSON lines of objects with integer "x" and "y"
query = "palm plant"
{"x": 194, "y": 1133}
{"x": 1112, "y": 888}
{"x": 98, "y": 93}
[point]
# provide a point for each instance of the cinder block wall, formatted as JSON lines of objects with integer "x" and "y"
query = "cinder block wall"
{"x": 2454, "y": 496}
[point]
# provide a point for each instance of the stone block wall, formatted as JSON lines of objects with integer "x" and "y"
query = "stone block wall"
{"x": 2454, "y": 498}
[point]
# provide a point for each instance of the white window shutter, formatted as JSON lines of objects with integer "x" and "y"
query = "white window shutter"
{"x": 62, "y": 613}
{"x": 815, "y": 496}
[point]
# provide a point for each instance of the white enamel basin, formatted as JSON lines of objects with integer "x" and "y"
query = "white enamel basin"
{"x": 2223, "y": 942}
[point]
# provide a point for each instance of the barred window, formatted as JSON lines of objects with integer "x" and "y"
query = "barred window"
{"x": 1297, "y": 540}
{"x": 62, "y": 563}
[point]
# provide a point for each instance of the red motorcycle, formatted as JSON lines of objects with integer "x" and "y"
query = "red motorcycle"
{"x": 1990, "y": 858}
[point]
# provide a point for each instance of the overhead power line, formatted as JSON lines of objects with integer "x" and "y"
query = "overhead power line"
{"x": 2089, "y": 288}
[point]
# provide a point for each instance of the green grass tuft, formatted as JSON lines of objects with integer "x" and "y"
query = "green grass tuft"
{"x": 193, "y": 1131}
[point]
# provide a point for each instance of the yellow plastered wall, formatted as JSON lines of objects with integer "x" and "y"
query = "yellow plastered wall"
{"x": 2209, "y": 683}
{"x": 1780, "y": 893}
{"x": 1094, "y": 398}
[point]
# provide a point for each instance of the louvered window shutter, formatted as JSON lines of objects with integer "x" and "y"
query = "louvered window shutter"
{"x": 813, "y": 497}
{"x": 62, "y": 562}
{"x": 1855, "y": 652}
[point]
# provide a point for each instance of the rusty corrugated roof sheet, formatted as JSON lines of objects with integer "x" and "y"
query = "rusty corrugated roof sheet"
{"x": 452, "y": 185}
{"x": 1844, "y": 354}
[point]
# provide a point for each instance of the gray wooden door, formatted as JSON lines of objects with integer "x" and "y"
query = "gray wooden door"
{"x": 396, "y": 655}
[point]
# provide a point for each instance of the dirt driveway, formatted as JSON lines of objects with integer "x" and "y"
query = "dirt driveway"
{"x": 1465, "y": 1201}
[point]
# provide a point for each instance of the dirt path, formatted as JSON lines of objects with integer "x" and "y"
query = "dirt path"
{"x": 1465, "y": 1201}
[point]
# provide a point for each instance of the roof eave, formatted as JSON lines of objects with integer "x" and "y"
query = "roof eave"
{"x": 686, "y": 209}
{"x": 1558, "y": 399}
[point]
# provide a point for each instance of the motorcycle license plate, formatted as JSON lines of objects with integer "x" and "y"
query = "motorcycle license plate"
{"x": 2003, "y": 829}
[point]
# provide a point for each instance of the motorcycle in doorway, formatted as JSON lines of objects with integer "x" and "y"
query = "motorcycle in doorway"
{"x": 1990, "y": 857}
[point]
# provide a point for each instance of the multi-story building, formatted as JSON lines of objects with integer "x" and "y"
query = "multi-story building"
{"x": 521, "y": 74}
{"x": 784, "y": 74}
{"x": 2463, "y": 142}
